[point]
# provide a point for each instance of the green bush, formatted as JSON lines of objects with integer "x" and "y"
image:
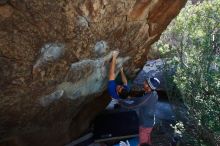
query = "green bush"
{"x": 193, "y": 40}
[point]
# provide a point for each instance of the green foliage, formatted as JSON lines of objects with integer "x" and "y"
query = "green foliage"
{"x": 193, "y": 40}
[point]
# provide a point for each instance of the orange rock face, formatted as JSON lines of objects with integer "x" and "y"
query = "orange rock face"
{"x": 54, "y": 58}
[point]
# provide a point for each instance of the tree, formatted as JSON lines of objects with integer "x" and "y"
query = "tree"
{"x": 193, "y": 41}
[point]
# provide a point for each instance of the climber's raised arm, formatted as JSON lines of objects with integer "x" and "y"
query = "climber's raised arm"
{"x": 123, "y": 77}
{"x": 112, "y": 65}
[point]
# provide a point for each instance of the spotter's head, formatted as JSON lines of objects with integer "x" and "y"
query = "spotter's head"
{"x": 151, "y": 84}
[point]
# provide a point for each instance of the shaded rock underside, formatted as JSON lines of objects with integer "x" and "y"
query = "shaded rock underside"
{"x": 54, "y": 58}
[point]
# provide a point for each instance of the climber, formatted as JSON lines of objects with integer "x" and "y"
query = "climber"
{"x": 117, "y": 91}
{"x": 147, "y": 111}
{"x": 145, "y": 107}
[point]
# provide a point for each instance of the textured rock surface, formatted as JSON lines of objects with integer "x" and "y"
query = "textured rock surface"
{"x": 54, "y": 58}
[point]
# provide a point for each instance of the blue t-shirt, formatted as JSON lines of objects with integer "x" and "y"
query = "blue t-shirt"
{"x": 112, "y": 89}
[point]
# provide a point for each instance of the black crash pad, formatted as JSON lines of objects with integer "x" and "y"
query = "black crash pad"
{"x": 115, "y": 125}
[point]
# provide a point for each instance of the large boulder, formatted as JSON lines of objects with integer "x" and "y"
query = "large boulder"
{"x": 54, "y": 58}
